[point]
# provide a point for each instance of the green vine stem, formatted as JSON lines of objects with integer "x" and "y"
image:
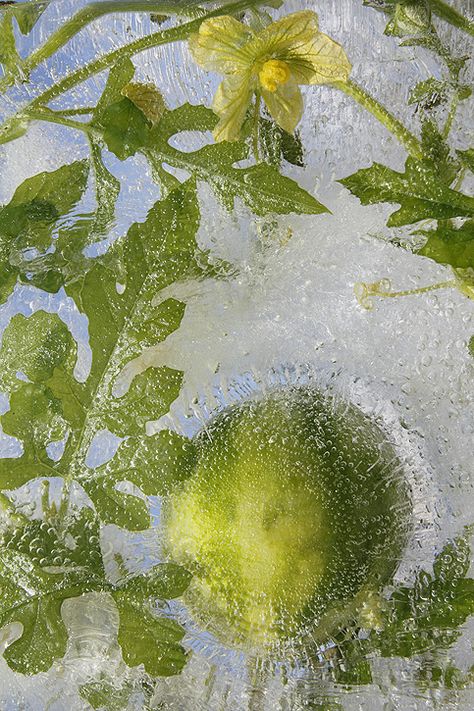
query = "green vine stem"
{"x": 451, "y": 115}
{"x": 80, "y": 111}
{"x": 411, "y": 143}
{"x": 174, "y": 34}
{"x": 451, "y": 15}
{"x": 45, "y": 114}
{"x": 460, "y": 179}
{"x": 256, "y": 123}
{"x": 365, "y": 292}
{"x": 98, "y": 9}
{"x": 421, "y": 290}
{"x": 169, "y": 155}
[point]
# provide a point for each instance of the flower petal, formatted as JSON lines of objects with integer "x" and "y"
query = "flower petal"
{"x": 218, "y": 45}
{"x": 230, "y": 103}
{"x": 313, "y": 57}
{"x": 320, "y": 61}
{"x": 285, "y": 105}
{"x": 285, "y": 35}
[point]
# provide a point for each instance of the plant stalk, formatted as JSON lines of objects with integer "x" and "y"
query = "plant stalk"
{"x": 256, "y": 132}
{"x": 450, "y": 14}
{"x": 94, "y": 11}
{"x": 421, "y": 290}
{"x": 45, "y": 114}
{"x": 80, "y": 111}
{"x": 409, "y": 141}
{"x": 451, "y": 115}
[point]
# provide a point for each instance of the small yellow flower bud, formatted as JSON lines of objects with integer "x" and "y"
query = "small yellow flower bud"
{"x": 273, "y": 73}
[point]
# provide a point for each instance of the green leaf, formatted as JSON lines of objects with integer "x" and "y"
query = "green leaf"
{"x": 27, "y": 14}
{"x": 35, "y": 417}
{"x": 39, "y": 343}
{"x": 105, "y": 695}
{"x": 471, "y": 346}
{"x": 15, "y": 128}
{"x": 431, "y": 41}
{"x": 157, "y": 646}
{"x": 448, "y": 676}
{"x": 125, "y": 128}
{"x": 30, "y": 219}
{"x": 120, "y": 75}
{"x": 107, "y": 190}
{"x": 153, "y": 255}
{"x": 34, "y": 597}
{"x": 60, "y": 544}
{"x": 156, "y": 464}
{"x": 354, "y": 671}
{"x": 261, "y": 187}
{"x": 450, "y": 245}
{"x": 292, "y": 148}
{"x": 429, "y": 93}
{"x": 437, "y": 153}
{"x": 164, "y": 581}
{"x": 467, "y": 158}
{"x": 45, "y": 197}
{"x": 9, "y": 57}
{"x": 45, "y": 562}
{"x": 429, "y": 614}
{"x": 114, "y": 506}
{"x": 409, "y": 18}
{"x": 464, "y": 92}
{"x": 121, "y": 322}
{"x": 42, "y": 346}
{"x": 265, "y": 190}
{"x": 278, "y": 145}
{"x": 124, "y": 125}
{"x": 421, "y": 192}
{"x": 148, "y": 398}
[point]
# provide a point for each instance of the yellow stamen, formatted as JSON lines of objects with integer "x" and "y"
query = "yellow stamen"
{"x": 273, "y": 73}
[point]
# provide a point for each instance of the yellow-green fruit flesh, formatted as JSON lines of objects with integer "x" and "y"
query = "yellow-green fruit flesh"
{"x": 291, "y": 512}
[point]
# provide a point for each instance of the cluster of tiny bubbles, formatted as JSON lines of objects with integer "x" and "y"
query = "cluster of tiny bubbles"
{"x": 226, "y": 654}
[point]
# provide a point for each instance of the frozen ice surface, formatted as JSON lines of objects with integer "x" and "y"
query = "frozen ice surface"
{"x": 289, "y": 304}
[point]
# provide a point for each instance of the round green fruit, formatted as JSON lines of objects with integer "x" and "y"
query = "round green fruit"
{"x": 296, "y": 512}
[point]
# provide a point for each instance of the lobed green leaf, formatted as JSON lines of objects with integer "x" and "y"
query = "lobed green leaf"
{"x": 419, "y": 192}
{"x": 44, "y": 563}
{"x": 121, "y": 323}
{"x": 157, "y": 646}
{"x": 29, "y": 221}
{"x": 9, "y": 57}
{"x": 128, "y": 129}
{"x": 27, "y": 14}
{"x": 34, "y": 597}
{"x": 428, "y": 616}
{"x": 453, "y": 246}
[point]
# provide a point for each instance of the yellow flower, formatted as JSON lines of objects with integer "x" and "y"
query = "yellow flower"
{"x": 272, "y": 63}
